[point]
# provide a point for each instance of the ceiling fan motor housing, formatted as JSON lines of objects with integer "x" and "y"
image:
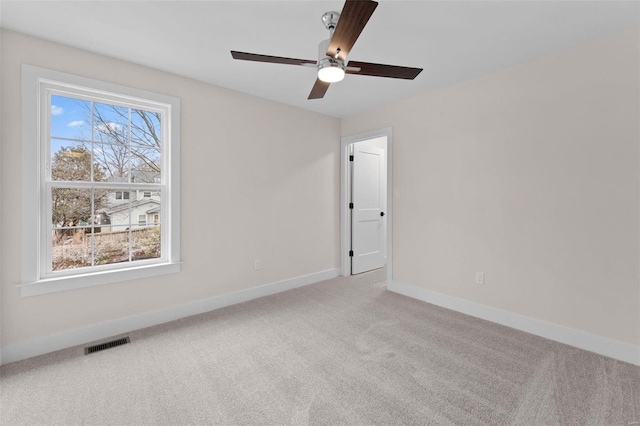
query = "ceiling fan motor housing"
{"x": 322, "y": 56}
{"x": 330, "y": 69}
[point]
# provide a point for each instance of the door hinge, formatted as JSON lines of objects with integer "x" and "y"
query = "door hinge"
{"x": 350, "y": 253}
{"x": 351, "y": 158}
{"x": 351, "y": 205}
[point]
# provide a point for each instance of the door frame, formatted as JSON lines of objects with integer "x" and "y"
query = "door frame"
{"x": 345, "y": 222}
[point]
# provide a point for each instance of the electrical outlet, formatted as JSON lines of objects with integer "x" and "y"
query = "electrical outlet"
{"x": 480, "y": 278}
{"x": 256, "y": 264}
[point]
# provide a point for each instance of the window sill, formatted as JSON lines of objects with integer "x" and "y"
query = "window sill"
{"x": 52, "y": 285}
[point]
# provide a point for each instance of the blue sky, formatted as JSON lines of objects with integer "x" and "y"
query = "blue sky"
{"x": 70, "y": 118}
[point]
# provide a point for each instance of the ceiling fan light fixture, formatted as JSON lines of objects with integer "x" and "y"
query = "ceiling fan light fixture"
{"x": 330, "y": 70}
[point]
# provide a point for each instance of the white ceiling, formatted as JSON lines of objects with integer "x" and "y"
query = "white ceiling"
{"x": 451, "y": 40}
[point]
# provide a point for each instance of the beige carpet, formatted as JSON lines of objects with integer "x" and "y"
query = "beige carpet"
{"x": 344, "y": 351}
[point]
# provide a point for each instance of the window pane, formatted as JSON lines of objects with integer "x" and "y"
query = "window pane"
{"x": 146, "y": 129}
{"x": 71, "y": 248}
{"x": 146, "y": 237}
{"x": 111, "y": 124}
{"x": 100, "y": 218}
{"x": 146, "y": 165}
{"x": 70, "y": 118}
{"x": 99, "y": 203}
{"x": 70, "y": 207}
{"x": 110, "y": 162}
{"x": 147, "y": 203}
{"x": 146, "y": 146}
{"x": 111, "y": 245}
{"x": 112, "y": 207}
{"x": 71, "y": 161}
{"x": 145, "y": 242}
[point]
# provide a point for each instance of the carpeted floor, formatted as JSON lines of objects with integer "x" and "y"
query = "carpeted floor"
{"x": 344, "y": 351}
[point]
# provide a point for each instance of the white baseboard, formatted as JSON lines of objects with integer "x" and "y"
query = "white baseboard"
{"x": 601, "y": 345}
{"x": 67, "y": 339}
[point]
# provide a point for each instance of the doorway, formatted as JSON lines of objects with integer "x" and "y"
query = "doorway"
{"x": 366, "y": 206}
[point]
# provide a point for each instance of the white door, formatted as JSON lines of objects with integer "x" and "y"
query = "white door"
{"x": 367, "y": 214}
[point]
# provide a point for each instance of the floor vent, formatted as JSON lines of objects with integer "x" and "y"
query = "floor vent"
{"x": 106, "y": 345}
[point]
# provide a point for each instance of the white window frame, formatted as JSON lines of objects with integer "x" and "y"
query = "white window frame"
{"x": 37, "y": 86}
{"x": 142, "y": 222}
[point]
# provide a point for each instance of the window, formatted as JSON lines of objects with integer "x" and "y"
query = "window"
{"x": 97, "y": 142}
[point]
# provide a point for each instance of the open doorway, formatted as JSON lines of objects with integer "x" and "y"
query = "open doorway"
{"x": 366, "y": 207}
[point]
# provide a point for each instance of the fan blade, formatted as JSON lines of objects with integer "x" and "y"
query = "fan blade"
{"x": 271, "y": 59}
{"x": 354, "y": 16}
{"x": 319, "y": 89}
{"x": 382, "y": 70}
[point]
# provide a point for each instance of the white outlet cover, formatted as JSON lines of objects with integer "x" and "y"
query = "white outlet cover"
{"x": 479, "y": 277}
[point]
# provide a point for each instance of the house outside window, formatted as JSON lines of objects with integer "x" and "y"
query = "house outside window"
{"x": 99, "y": 143}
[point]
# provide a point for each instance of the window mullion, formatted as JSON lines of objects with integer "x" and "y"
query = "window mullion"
{"x": 131, "y": 180}
{"x": 92, "y": 139}
{"x": 93, "y": 216}
{"x": 123, "y": 186}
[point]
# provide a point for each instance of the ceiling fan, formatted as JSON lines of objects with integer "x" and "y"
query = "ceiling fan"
{"x": 332, "y": 64}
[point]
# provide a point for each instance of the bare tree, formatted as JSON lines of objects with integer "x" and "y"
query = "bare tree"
{"x": 130, "y": 140}
{"x": 72, "y": 206}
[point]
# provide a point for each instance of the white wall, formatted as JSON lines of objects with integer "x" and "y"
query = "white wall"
{"x": 266, "y": 175}
{"x": 530, "y": 175}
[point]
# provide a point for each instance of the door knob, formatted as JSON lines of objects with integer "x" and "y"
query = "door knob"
{"x": 381, "y": 213}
